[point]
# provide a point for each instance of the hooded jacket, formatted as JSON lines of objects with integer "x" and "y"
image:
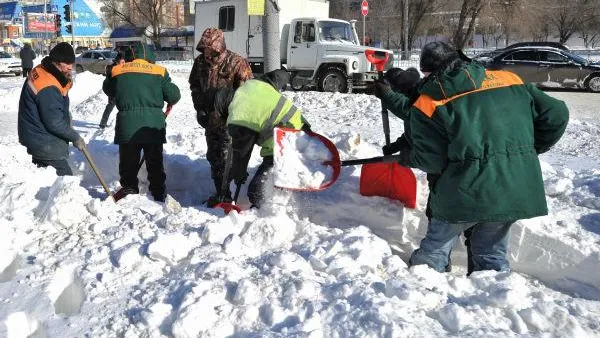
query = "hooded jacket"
{"x": 140, "y": 89}
{"x": 481, "y": 131}
{"x": 44, "y": 122}
{"x": 27, "y": 55}
{"x": 227, "y": 69}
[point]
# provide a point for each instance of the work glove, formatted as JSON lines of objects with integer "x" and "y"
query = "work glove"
{"x": 396, "y": 146}
{"x": 79, "y": 143}
{"x": 216, "y": 199}
{"x": 202, "y": 118}
{"x": 240, "y": 177}
{"x": 381, "y": 87}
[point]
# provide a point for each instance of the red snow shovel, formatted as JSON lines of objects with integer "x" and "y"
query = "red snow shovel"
{"x": 386, "y": 179}
{"x": 397, "y": 183}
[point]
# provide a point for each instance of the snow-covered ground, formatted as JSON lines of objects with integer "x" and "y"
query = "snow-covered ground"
{"x": 326, "y": 264}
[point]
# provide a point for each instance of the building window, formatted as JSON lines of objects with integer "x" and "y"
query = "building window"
{"x": 227, "y": 18}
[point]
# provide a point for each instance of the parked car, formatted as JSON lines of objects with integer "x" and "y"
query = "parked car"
{"x": 9, "y": 64}
{"x": 81, "y": 49}
{"x": 486, "y": 56}
{"x": 94, "y": 61}
{"x": 549, "y": 67}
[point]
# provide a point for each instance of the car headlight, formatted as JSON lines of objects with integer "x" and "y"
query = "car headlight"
{"x": 355, "y": 65}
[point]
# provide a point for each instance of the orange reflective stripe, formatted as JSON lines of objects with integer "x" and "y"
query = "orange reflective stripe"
{"x": 138, "y": 66}
{"x": 39, "y": 79}
{"x": 493, "y": 79}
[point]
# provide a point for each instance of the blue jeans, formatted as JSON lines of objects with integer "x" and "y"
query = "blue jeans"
{"x": 489, "y": 241}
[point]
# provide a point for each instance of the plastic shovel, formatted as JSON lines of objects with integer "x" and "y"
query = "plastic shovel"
{"x": 394, "y": 181}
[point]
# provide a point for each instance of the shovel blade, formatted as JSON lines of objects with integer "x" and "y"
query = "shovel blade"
{"x": 228, "y": 207}
{"x": 334, "y": 163}
{"x": 389, "y": 180}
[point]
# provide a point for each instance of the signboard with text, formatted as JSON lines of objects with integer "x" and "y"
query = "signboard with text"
{"x": 39, "y": 23}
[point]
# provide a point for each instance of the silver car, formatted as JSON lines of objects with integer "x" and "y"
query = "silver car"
{"x": 94, "y": 61}
{"x": 9, "y": 64}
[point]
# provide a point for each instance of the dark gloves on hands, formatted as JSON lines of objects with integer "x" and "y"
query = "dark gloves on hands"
{"x": 202, "y": 118}
{"x": 381, "y": 87}
{"x": 395, "y": 147}
{"x": 79, "y": 143}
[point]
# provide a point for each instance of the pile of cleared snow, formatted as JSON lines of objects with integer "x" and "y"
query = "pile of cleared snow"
{"x": 299, "y": 160}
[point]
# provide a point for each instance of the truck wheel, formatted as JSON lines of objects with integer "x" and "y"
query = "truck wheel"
{"x": 333, "y": 80}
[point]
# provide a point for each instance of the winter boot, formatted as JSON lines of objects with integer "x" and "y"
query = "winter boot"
{"x": 124, "y": 191}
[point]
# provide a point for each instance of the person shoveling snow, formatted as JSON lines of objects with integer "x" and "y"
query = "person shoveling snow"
{"x": 255, "y": 109}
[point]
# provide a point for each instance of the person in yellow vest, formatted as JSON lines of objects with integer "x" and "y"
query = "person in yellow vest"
{"x": 44, "y": 122}
{"x": 254, "y": 110}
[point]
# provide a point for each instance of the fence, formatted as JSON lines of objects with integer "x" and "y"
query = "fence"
{"x": 182, "y": 56}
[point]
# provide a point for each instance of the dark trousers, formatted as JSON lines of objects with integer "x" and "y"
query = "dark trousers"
{"x": 109, "y": 108}
{"x": 257, "y": 184}
{"x": 26, "y": 71}
{"x": 62, "y": 166}
{"x": 129, "y": 165}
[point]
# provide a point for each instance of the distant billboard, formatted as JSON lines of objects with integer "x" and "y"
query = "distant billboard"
{"x": 40, "y": 22}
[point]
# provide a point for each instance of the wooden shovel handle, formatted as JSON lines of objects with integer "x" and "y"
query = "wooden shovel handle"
{"x": 97, "y": 172}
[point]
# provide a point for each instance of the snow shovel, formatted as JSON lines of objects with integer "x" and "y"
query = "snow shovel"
{"x": 378, "y": 179}
{"x": 97, "y": 172}
{"x": 397, "y": 182}
{"x": 118, "y": 195}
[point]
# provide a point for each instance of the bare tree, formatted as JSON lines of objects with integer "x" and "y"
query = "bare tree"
{"x": 589, "y": 31}
{"x": 469, "y": 12}
{"x": 139, "y": 12}
{"x": 566, "y": 17}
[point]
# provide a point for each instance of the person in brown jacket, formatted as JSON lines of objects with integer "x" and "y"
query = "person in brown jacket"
{"x": 217, "y": 67}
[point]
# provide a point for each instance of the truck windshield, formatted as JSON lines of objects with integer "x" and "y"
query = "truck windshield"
{"x": 336, "y": 31}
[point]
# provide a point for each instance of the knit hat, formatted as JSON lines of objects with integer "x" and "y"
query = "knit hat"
{"x": 278, "y": 78}
{"x": 63, "y": 52}
{"x": 437, "y": 55}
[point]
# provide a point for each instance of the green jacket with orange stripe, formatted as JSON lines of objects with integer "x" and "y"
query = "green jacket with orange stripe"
{"x": 140, "y": 90}
{"x": 481, "y": 131}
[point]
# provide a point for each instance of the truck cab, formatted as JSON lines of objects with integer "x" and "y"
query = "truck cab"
{"x": 326, "y": 53}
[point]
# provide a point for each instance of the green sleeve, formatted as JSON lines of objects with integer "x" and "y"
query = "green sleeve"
{"x": 170, "y": 91}
{"x": 428, "y": 143}
{"x": 550, "y": 119}
{"x": 108, "y": 86}
{"x": 397, "y": 103}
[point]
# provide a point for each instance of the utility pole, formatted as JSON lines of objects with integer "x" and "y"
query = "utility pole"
{"x": 271, "y": 52}
{"x": 46, "y": 47}
{"x": 405, "y": 28}
{"x": 72, "y": 25}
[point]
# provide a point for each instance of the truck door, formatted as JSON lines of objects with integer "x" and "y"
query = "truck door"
{"x": 303, "y": 47}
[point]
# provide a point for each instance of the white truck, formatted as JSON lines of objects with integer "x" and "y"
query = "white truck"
{"x": 316, "y": 50}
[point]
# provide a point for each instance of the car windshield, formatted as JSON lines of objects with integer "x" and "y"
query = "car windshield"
{"x": 109, "y": 54}
{"x": 5, "y": 55}
{"x": 336, "y": 31}
{"x": 577, "y": 58}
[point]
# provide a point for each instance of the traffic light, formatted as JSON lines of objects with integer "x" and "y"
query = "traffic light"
{"x": 67, "y": 8}
{"x": 69, "y": 28}
{"x": 57, "y": 25}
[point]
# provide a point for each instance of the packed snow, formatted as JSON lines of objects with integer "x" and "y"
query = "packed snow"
{"x": 300, "y": 161}
{"x": 318, "y": 264}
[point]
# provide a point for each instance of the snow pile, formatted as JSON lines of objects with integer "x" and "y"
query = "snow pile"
{"x": 308, "y": 264}
{"x": 299, "y": 159}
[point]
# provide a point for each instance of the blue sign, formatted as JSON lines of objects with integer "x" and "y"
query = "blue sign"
{"x": 8, "y": 10}
{"x": 87, "y": 21}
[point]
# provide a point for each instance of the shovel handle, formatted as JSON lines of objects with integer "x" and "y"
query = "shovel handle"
{"x": 378, "y": 159}
{"x": 97, "y": 172}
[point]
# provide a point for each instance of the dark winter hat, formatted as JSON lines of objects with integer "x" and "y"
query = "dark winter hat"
{"x": 138, "y": 51}
{"x": 63, "y": 52}
{"x": 403, "y": 81}
{"x": 278, "y": 78}
{"x": 437, "y": 55}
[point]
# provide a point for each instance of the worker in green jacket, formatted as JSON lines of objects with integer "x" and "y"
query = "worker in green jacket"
{"x": 256, "y": 108}
{"x": 481, "y": 132}
{"x": 140, "y": 90}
